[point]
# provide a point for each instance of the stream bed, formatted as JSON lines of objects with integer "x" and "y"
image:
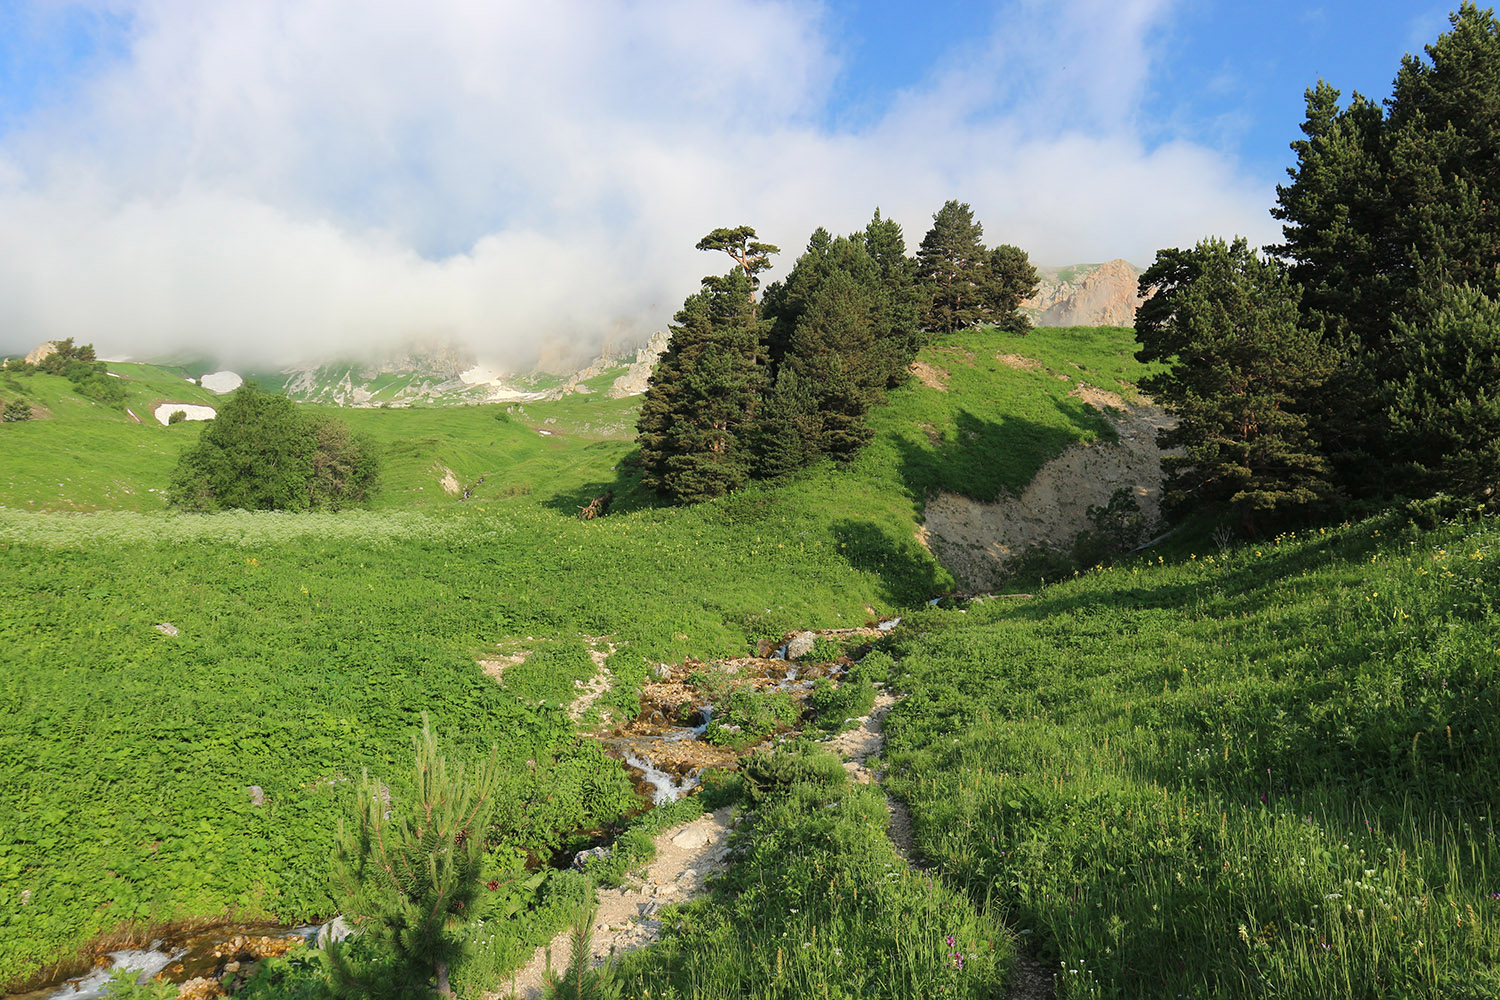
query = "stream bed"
{"x": 663, "y": 750}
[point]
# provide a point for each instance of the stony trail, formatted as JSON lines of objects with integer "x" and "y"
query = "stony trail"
{"x": 625, "y": 920}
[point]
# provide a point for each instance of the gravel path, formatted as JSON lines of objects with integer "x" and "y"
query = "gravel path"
{"x": 626, "y": 918}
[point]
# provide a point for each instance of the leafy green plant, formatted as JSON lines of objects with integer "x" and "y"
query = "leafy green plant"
{"x": 124, "y": 985}
{"x": 837, "y": 704}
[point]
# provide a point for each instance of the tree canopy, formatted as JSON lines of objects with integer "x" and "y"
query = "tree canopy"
{"x": 1240, "y": 370}
{"x": 746, "y": 391}
{"x": 966, "y": 283}
{"x": 1392, "y": 228}
{"x": 261, "y": 453}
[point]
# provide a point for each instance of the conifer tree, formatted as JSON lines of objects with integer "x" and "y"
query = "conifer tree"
{"x": 1445, "y": 408}
{"x": 1388, "y": 210}
{"x": 408, "y": 870}
{"x": 900, "y": 333}
{"x": 702, "y": 395}
{"x": 744, "y": 249}
{"x": 952, "y": 263}
{"x": 1010, "y": 278}
{"x": 1240, "y": 371}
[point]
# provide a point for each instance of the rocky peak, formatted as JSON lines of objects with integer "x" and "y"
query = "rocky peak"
{"x": 1085, "y": 295}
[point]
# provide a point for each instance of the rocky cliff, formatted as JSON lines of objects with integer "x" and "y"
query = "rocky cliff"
{"x": 1085, "y": 295}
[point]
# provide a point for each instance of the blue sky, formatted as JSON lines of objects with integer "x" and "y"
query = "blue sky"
{"x": 284, "y": 176}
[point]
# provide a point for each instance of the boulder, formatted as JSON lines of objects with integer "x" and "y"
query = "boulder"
{"x": 336, "y": 929}
{"x": 257, "y": 795}
{"x": 799, "y": 644}
{"x": 691, "y": 838}
{"x": 167, "y": 628}
{"x": 582, "y": 858}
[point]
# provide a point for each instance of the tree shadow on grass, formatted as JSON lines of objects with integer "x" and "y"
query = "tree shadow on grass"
{"x": 623, "y": 490}
{"x": 982, "y": 458}
{"x": 907, "y": 572}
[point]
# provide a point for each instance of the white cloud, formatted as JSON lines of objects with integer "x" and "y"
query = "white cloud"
{"x": 292, "y": 176}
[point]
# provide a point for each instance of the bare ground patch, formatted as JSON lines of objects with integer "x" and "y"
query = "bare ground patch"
{"x": 1100, "y": 399}
{"x": 930, "y": 376}
{"x": 1019, "y": 362}
{"x": 495, "y": 668}
{"x": 976, "y": 540}
{"x": 601, "y": 683}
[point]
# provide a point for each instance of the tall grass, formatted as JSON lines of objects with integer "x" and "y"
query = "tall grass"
{"x": 1266, "y": 771}
{"x": 818, "y": 904}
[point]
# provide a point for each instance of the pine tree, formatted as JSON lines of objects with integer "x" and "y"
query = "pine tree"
{"x": 1240, "y": 372}
{"x": 1388, "y": 209}
{"x": 951, "y": 263}
{"x": 703, "y": 394}
{"x": 744, "y": 249}
{"x": 1010, "y": 278}
{"x": 1445, "y": 409}
{"x": 408, "y": 871}
{"x": 1443, "y": 136}
{"x": 833, "y": 355}
{"x": 899, "y": 333}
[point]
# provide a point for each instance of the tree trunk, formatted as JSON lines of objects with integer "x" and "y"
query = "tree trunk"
{"x": 443, "y": 989}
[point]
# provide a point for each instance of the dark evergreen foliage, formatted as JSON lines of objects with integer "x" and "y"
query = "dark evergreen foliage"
{"x": 965, "y": 283}
{"x": 743, "y": 248}
{"x": 408, "y": 870}
{"x": 747, "y": 393}
{"x": 952, "y": 264}
{"x": 260, "y": 453}
{"x": 1010, "y": 279}
{"x": 702, "y": 395}
{"x": 1387, "y": 211}
{"x": 1240, "y": 373}
{"x": 1445, "y": 409}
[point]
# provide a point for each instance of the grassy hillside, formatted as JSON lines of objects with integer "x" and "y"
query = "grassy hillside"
{"x": 1263, "y": 771}
{"x": 1241, "y": 771}
{"x": 308, "y": 646}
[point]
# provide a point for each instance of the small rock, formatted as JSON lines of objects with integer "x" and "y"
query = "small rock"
{"x": 25, "y": 896}
{"x": 335, "y": 930}
{"x": 662, "y": 671}
{"x": 691, "y": 838}
{"x": 688, "y": 874}
{"x": 167, "y": 628}
{"x": 582, "y": 858}
{"x": 765, "y": 648}
{"x": 646, "y": 909}
{"x": 800, "y": 644}
{"x": 257, "y": 795}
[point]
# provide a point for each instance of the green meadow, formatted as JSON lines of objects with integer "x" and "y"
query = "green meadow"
{"x": 1249, "y": 770}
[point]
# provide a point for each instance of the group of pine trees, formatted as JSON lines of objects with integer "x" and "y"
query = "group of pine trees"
{"x": 755, "y": 390}
{"x": 1361, "y": 361}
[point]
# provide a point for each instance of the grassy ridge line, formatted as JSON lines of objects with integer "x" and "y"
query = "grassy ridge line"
{"x": 1267, "y": 771}
{"x": 989, "y": 432}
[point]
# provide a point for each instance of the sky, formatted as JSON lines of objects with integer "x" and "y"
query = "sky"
{"x": 288, "y": 180}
